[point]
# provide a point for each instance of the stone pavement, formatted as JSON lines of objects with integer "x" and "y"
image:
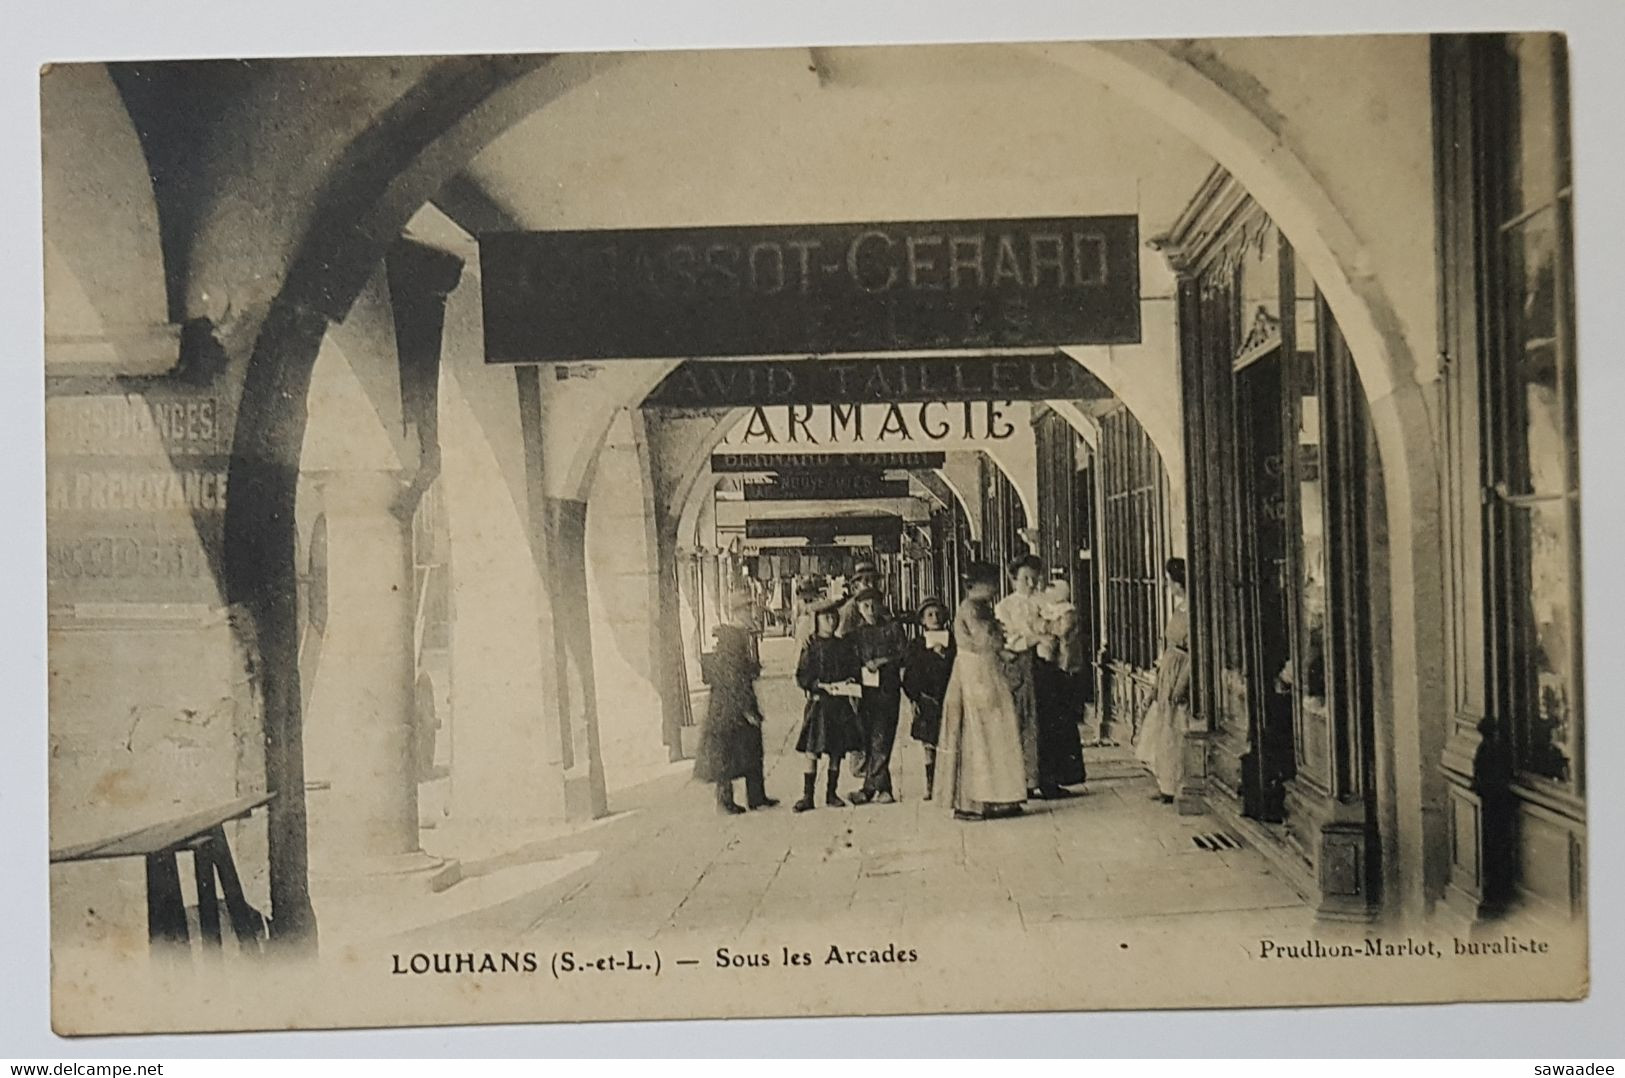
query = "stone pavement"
{"x": 667, "y": 866}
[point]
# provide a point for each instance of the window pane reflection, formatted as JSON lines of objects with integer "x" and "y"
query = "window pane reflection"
{"x": 1311, "y": 553}
{"x": 1536, "y": 392}
{"x": 1546, "y": 737}
{"x": 1534, "y": 160}
{"x": 1531, "y": 251}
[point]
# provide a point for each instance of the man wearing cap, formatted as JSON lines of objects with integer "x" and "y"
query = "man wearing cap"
{"x": 731, "y": 739}
{"x": 879, "y": 643}
{"x": 864, "y": 576}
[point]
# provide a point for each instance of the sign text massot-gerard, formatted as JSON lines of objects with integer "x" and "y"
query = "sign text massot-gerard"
{"x": 810, "y": 289}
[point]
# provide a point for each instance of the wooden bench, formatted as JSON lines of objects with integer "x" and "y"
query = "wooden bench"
{"x": 203, "y": 834}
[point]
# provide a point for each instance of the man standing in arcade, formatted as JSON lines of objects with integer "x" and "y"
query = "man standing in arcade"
{"x": 879, "y": 642}
{"x": 864, "y": 576}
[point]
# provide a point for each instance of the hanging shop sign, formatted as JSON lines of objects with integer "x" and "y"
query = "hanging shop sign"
{"x": 920, "y": 380}
{"x": 827, "y": 485}
{"x": 810, "y": 289}
{"x": 823, "y": 528}
{"x": 781, "y": 463}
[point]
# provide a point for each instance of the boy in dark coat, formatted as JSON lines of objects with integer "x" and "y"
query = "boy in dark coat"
{"x": 879, "y": 643}
{"x": 927, "y": 663}
{"x": 731, "y": 740}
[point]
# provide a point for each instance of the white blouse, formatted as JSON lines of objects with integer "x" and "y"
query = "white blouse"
{"x": 1022, "y": 619}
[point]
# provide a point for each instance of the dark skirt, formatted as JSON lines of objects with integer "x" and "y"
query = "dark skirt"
{"x": 927, "y": 725}
{"x": 830, "y": 727}
{"x": 1021, "y": 674}
{"x": 1060, "y": 745}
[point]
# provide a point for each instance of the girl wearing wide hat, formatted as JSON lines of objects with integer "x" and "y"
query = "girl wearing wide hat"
{"x": 828, "y": 671}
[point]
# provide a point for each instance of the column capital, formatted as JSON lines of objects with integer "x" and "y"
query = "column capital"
{"x": 424, "y": 268}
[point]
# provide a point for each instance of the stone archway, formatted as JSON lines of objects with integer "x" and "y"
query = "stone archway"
{"x": 106, "y": 306}
{"x": 1214, "y": 107}
{"x": 411, "y": 151}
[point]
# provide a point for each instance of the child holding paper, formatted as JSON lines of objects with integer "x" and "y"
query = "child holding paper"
{"x": 879, "y": 643}
{"x": 828, "y": 671}
{"x": 927, "y": 664}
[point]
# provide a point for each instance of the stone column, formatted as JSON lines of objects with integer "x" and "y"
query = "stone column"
{"x": 564, "y": 538}
{"x": 558, "y": 534}
{"x": 668, "y": 642}
{"x": 506, "y": 780}
{"x": 369, "y": 816}
{"x": 624, "y": 603}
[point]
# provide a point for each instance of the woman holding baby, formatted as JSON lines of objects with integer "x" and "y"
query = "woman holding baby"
{"x": 1051, "y": 749}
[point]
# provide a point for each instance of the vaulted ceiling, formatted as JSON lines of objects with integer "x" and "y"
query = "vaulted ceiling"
{"x": 826, "y": 135}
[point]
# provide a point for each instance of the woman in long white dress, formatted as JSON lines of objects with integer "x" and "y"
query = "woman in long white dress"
{"x": 1160, "y": 744}
{"x": 980, "y": 774}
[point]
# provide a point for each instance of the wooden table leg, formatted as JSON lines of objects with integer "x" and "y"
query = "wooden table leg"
{"x": 166, "y": 909}
{"x": 246, "y": 921}
{"x": 208, "y": 902}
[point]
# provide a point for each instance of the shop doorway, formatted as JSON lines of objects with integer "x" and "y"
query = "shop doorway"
{"x": 1260, "y": 386}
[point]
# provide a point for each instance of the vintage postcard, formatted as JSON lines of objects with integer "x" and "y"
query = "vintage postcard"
{"x": 812, "y": 531}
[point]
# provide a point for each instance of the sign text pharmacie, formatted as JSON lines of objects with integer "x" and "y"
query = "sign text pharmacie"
{"x": 810, "y": 289}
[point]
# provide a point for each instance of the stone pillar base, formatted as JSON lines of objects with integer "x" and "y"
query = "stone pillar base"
{"x": 1334, "y": 910}
{"x": 584, "y": 798}
{"x": 470, "y": 846}
{"x": 1192, "y": 799}
{"x": 416, "y": 872}
{"x": 1467, "y": 914}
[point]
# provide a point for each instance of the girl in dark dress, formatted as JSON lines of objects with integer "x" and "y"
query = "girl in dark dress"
{"x": 927, "y": 664}
{"x": 828, "y": 671}
{"x": 731, "y": 739}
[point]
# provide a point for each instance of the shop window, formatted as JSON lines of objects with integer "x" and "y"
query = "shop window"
{"x": 1134, "y": 492}
{"x": 1530, "y": 437}
{"x": 1307, "y": 467}
{"x": 1003, "y": 517}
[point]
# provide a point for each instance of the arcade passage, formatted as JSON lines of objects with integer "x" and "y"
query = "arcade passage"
{"x": 815, "y": 288}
